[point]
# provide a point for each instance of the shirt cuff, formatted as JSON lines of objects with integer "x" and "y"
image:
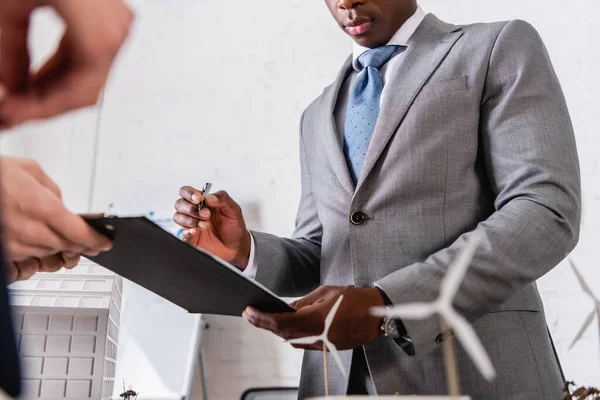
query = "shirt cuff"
{"x": 251, "y": 268}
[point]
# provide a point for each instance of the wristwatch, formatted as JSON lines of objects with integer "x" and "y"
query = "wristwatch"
{"x": 389, "y": 327}
{"x": 394, "y": 329}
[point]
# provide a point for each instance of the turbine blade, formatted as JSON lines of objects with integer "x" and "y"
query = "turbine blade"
{"x": 306, "y": 340}
{"x": 471, "y": 343}
{"x": 458, "y": 268}
{"x": 336, "y": 356}
{"x": 582, "y": 281}
{"x": 331, "y": 314}
{"x": 586, "y": 324}
{"x": 408, "y": 311}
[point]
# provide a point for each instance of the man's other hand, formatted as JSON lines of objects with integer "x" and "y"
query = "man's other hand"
{"x": 352, "y": 326}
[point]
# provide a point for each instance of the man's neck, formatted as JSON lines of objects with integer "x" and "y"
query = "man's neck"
{"x": 403, "y": 17}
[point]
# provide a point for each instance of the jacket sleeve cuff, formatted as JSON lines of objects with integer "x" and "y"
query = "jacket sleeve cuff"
{"x": 425, "y": 335}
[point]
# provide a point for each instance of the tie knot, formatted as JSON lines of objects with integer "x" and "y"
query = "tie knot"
{"x": 376, "y": 57}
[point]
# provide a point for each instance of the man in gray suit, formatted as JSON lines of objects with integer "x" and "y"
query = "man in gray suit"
{"x": 430, "y": 132}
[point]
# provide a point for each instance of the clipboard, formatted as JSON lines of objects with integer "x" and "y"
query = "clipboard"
{"x": 191, "y": 278}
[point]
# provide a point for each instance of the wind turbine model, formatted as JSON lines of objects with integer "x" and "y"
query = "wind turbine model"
{"x": 595, "y": 312}
{"x": 450, "y": 318}
{"x": 327, "y": 345}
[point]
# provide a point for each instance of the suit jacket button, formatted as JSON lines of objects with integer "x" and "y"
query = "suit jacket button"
{"x": 358, "y": 217}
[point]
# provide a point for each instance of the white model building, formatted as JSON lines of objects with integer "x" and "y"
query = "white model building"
{"x": 67, "y": 327}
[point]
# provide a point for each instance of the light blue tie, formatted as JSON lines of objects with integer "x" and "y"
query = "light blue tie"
{"x": 363, "y": 107}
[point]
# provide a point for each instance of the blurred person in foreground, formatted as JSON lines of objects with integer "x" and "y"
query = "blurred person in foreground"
{"x": 38, "y": 232}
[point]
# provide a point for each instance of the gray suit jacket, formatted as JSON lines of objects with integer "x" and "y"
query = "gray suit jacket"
{"x": 475, "y": 135}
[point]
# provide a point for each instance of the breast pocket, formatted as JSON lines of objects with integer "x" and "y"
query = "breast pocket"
{"x": 438, "y": 88}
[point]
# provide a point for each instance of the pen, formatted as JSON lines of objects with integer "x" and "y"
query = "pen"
{"x": 205, "y": 189}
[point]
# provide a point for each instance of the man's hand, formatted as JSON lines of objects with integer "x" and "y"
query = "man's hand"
{"x": 35, "y": 223}
{"x": 352, "y": 326}
{"x": 22, "y": 270}
{"x": 218, "y": 228}
{"x": 74, "y": 76}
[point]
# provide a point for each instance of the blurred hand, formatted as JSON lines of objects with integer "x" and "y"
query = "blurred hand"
{"x": 353, "y": 325}
{"x": 74, "y": 76}
{"x": 35, "y": 223}
{"x": 218, "y": 228}
{"x": 22, "y": 270}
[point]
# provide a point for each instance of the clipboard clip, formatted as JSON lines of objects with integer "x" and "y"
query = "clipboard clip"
{"x": 104, "y": 215}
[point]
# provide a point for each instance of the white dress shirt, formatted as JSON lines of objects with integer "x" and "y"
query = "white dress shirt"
{"x": 400, "y": 38}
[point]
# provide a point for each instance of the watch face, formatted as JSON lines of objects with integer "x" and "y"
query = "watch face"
{"x": 391, "y": 329}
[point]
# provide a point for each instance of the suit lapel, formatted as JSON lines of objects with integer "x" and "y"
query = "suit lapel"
{"x": 331, "y": 138}
{"x": 428, "y": 46}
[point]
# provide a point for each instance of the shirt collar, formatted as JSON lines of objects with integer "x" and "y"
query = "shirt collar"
{"x": 401, "y": 36}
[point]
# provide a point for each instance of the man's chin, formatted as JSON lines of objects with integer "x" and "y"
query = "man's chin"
{"x": 368, "y": 42}
{"x": 370, "y": 39}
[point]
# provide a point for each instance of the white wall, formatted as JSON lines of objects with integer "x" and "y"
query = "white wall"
{"x": 214, "y": 91}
